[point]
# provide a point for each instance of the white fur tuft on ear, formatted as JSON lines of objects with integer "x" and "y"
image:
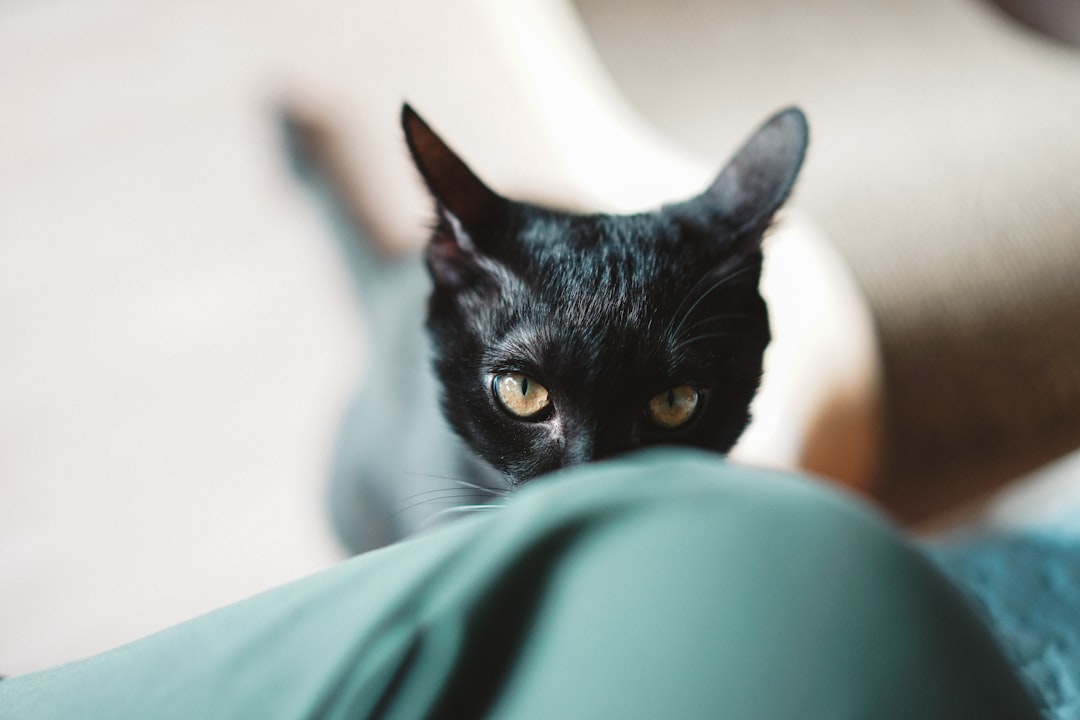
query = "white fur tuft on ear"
{"x": 461, "y": 235}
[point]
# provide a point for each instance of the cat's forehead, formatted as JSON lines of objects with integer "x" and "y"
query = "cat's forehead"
{"x": 575, "y": 254}
{"x": 544, "y": 232}
{"x": 597, "y": 291}
{"x": 590, "y": 319}
{"x": 602, "y": 275}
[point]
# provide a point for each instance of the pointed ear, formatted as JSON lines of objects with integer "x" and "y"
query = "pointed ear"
{"x": 454, "y": 186}
{"x": 463, "y": 203}
{"x": 759, "y": 178}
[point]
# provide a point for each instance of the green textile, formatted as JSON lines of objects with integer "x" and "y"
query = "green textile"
{"x": 670, "y": 584}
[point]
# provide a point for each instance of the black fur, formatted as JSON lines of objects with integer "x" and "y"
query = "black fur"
{"x": 605, "y": 311}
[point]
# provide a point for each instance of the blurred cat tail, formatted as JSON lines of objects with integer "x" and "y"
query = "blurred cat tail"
{"x": 313, "y": 149}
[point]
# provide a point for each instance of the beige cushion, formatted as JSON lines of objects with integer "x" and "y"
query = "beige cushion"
{"x": 944, "y": 164}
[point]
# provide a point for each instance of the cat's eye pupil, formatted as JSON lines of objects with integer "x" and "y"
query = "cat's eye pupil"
{"x": 675, "y": 407}
{"x": 520, "y": 395}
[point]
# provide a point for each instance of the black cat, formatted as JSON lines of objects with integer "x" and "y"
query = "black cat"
{"x": 557, "y": 338}
{"x": 562, "y": 338}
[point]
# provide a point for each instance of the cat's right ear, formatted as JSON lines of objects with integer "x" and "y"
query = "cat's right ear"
{"x": 465, "y": 205}
{"x": 760, "y": 176}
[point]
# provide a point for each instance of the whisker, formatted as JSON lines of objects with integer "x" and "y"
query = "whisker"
{"x": 451, "y": 490}
{"x": 685, "y": 299}
{"x": 712, "y": 288}
{"x": 705, "y": 336}
{"x": 432, "y": 501}
{"x": 718, "y": 318}
{"x": 444, "y": 493}
{"x": 475, "y": 486}
{"x": 501, "y": 492}
{"x": 412, "y": 473}
{"x": 457, "y": 510}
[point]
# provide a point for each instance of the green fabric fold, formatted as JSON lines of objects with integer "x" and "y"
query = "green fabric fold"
{"x": 667, "y": 584}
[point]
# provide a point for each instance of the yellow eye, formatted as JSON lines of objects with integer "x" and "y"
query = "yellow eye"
{"x": 520, "y": 394}
{"x": 673, "y": 408}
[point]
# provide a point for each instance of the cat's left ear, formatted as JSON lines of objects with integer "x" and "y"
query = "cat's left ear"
{"x": 758, "y": 180}
{"x": 464, "y": 203}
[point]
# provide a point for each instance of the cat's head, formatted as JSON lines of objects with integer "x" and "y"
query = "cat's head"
{"x": 562, "y": 338}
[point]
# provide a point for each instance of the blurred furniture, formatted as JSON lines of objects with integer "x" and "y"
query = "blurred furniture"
{"x": 943, "y": 165}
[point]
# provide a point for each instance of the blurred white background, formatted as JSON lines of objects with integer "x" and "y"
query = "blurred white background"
{"x": 177, "y": 334}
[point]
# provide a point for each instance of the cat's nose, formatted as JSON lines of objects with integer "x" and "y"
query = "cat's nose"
{"x": 584, "y": 442}
{"x": 614, "y": 438}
